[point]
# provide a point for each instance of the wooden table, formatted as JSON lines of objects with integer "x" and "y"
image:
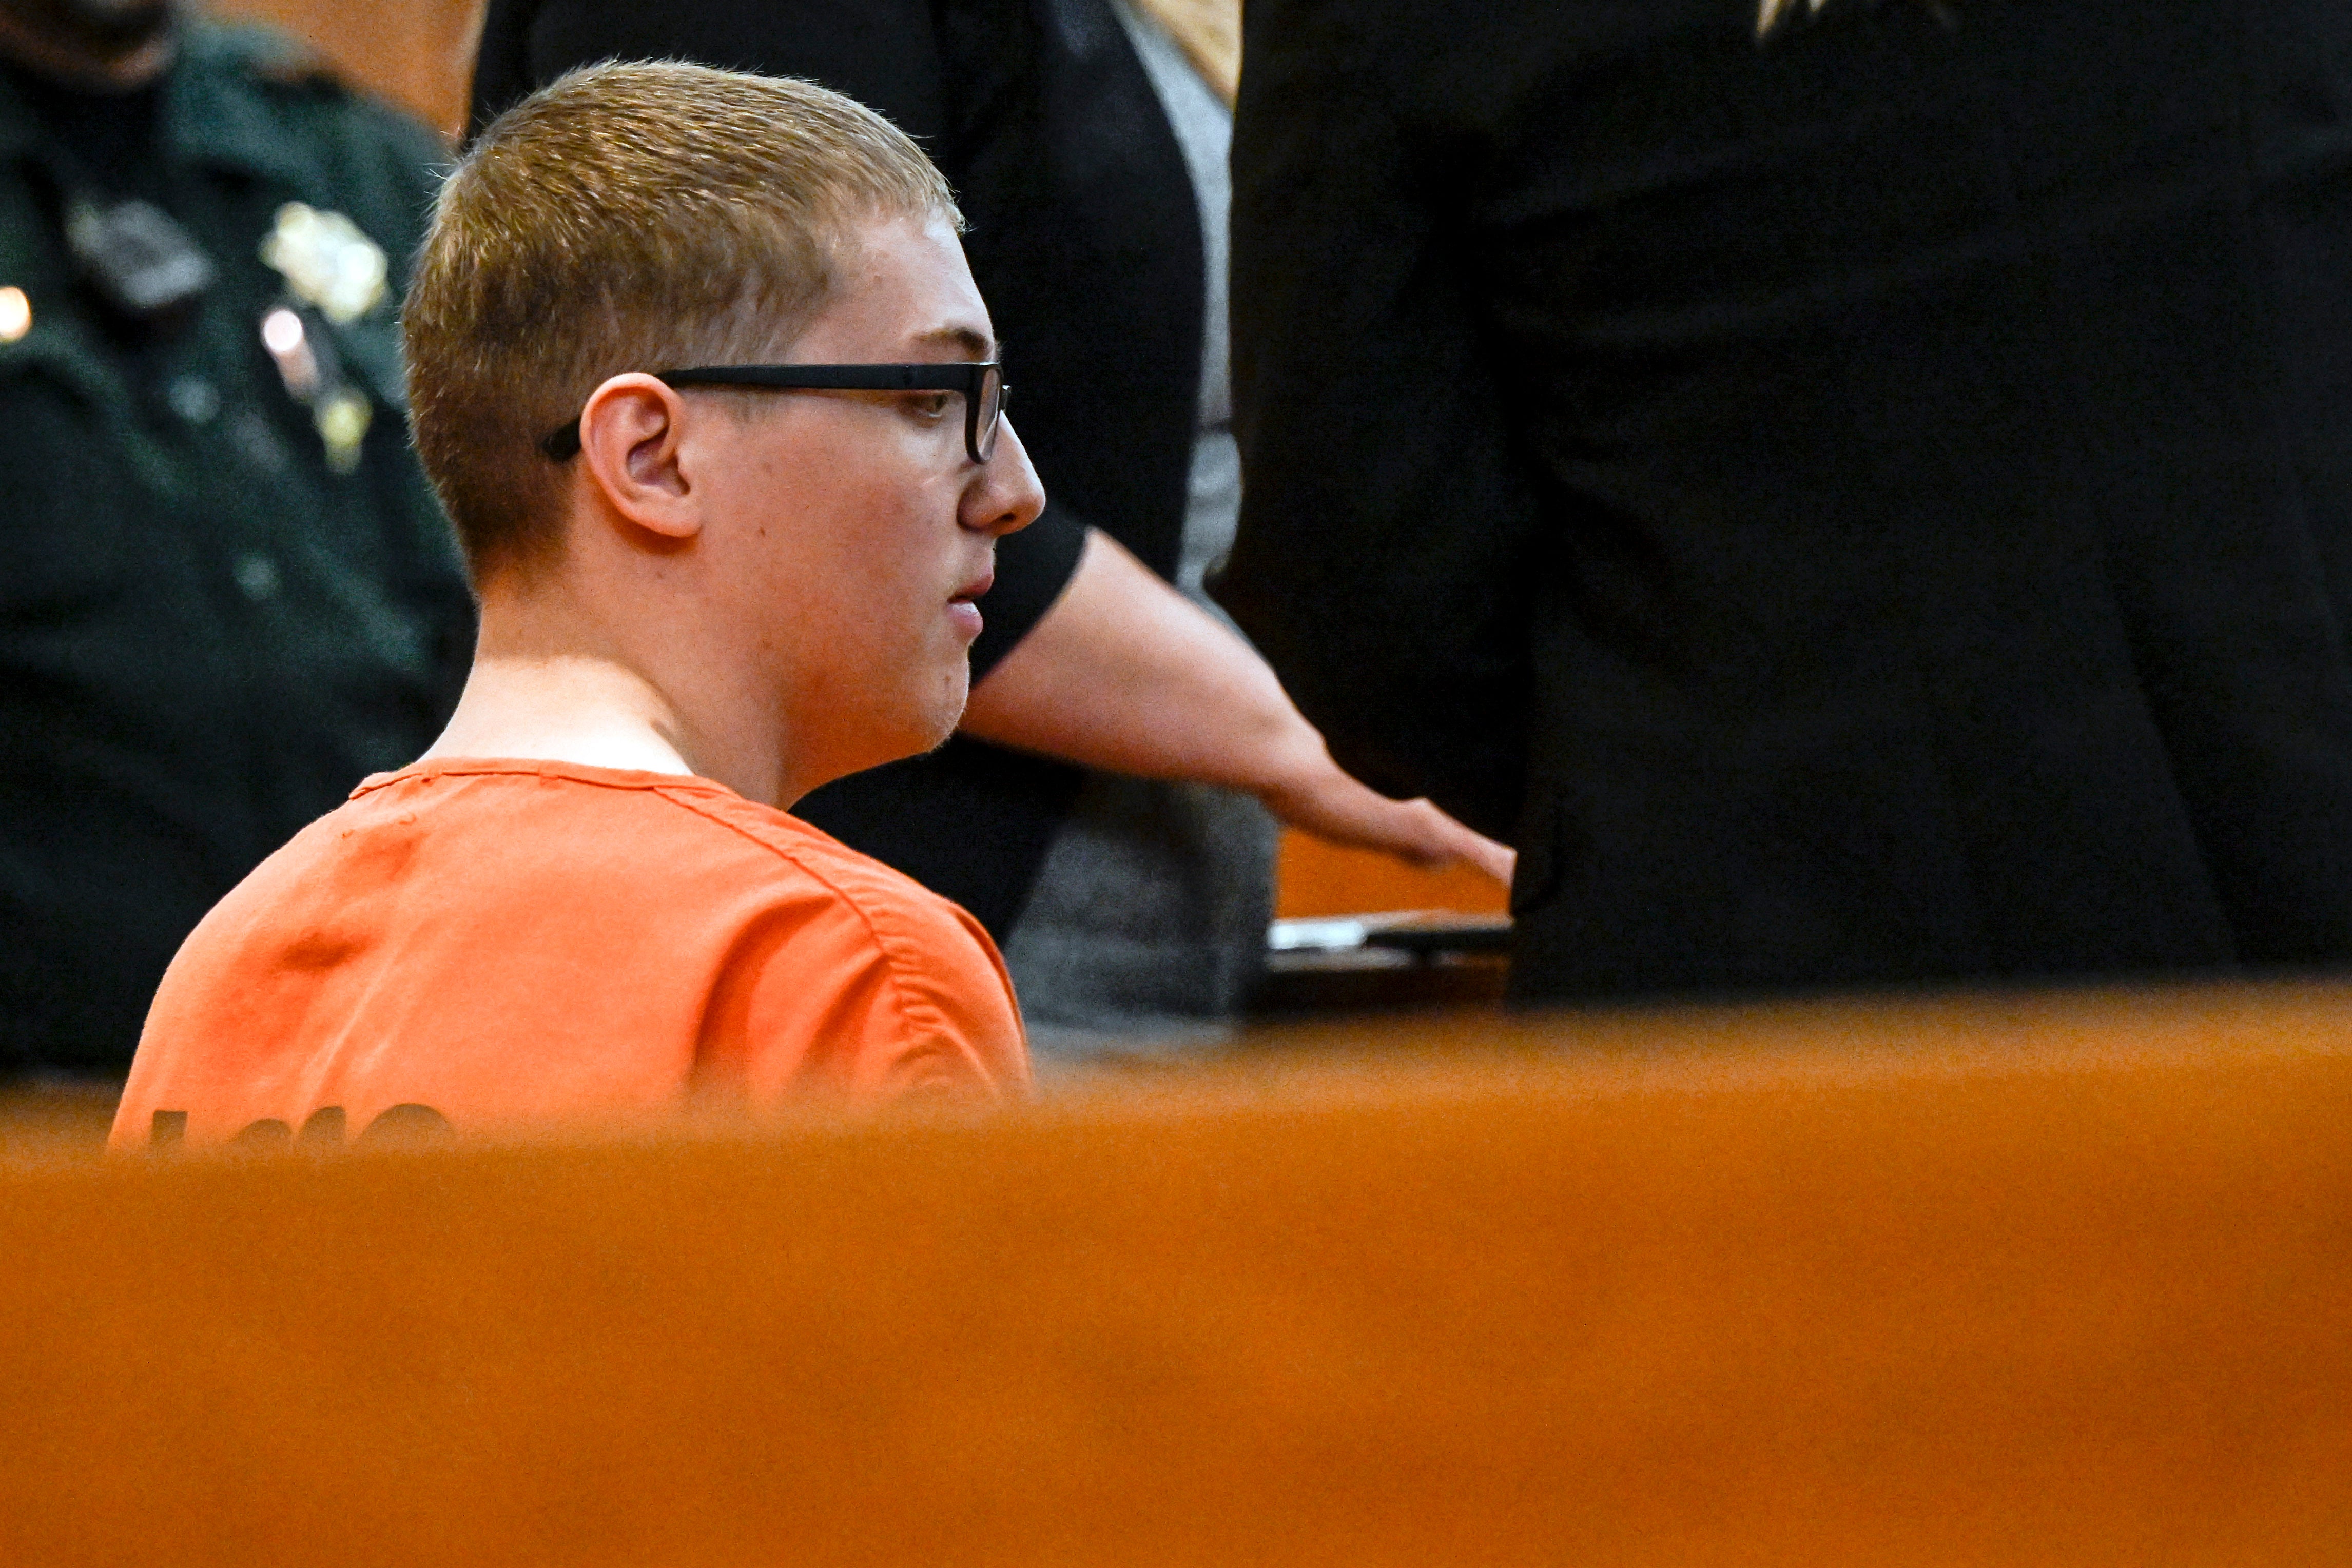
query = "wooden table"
{"x": 1981, "y": 1280}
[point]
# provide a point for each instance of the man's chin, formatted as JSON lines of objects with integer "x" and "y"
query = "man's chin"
{"x": 949, "y": 712}
{"x": 921, "y": 726}
{"x": 933, "y": 719}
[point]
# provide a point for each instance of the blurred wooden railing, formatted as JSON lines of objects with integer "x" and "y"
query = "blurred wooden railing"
{"x": 1983, "y": 1281}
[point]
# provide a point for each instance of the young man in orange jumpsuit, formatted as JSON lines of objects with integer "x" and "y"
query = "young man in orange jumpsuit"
{"x": 699, "y": 370}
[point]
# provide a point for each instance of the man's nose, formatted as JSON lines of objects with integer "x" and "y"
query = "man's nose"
{"x": 1008, "y": 496}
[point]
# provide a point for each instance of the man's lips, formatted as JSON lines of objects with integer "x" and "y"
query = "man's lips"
{"x": 964, "y": 611}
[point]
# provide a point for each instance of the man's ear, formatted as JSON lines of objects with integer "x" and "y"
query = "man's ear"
{"x": 630, "y": 433}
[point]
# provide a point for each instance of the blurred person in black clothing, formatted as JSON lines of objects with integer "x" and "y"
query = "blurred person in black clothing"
{"x": 227, "y": 594}
{"x": 1869, "y": 503}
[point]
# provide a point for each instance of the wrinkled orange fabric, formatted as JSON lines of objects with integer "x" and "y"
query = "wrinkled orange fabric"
{"x": 514, "y": 944}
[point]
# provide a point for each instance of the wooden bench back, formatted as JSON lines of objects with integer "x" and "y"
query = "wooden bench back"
{"x": 2063, "y": 1282}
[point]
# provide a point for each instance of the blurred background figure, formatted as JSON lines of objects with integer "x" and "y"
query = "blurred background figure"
{"x": 227, "y": 594}
{"x": 1153, "y": 899}
{"x": 1123, "y": 852}
{"x": 1864, "y": 503}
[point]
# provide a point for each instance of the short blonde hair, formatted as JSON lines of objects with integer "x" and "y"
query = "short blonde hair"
{"x": 626, "y": 218}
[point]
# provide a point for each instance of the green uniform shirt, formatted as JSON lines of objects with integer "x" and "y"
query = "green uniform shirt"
{"x": 212, "y": 624}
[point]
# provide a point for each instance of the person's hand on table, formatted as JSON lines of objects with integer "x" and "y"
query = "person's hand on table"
{"x": 1324, "y": 800}
{"x": 1126, "y": 674}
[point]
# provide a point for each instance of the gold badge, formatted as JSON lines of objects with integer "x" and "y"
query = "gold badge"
{"x": 342, "y": 417}
{"x": 327, "y": 262}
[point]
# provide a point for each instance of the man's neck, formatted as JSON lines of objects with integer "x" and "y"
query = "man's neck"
{"x": 543, "y": 691}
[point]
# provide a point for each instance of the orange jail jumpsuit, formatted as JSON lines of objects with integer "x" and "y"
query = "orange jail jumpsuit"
{"x": 498, "y": 945}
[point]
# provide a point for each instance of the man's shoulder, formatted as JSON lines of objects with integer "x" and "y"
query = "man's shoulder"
{"x": 932, "y": 991}
{"x": 542, "y": 831}
{"x": 886, "y": 946}
{"x": 874, "y": 894}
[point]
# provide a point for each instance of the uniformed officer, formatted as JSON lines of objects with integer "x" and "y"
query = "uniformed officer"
{"x": 227, "y": 594}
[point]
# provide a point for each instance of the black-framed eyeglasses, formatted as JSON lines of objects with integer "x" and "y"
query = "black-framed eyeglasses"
{"x": 982, "y": 384}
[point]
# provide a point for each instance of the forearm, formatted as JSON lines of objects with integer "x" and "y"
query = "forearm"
{"x": 1125, "y": 673}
